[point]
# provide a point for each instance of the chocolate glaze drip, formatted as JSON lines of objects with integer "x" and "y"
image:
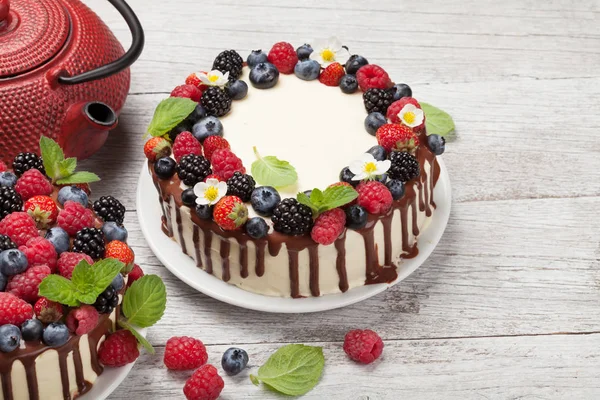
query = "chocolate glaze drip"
{"x": 244, "y": 259}
{"x": 207, "y": 243}
{"x": 196, "y": 240}
{"x": 340, "y": 262}
{"x": 294, "y": 281}
{"x": 313, "y": 263}
{"x": 260, "y": 257}
{"x": 180, "y": 230}
{"x": 225, "y": 248}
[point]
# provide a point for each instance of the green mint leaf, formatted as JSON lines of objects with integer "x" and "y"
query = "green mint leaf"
{"x": 142, "y": 340}
{"x": 293, "y": 369}
{"x": 91, "y": 280}
{"x": 303, "y": 199}
{"x": 272, "y": 171}
{"x": 169, "y": 113}
{"x": 437, "y": 121}
{"x": 145, "y": 301}
{"x": 52, "y": 155}
{"x": 59, "y": 289}
{"x": 79, "y": 177}
{"x": 66, "y": 167}
{"x": 316, "y": 196}
{"x": 337, "y": 196}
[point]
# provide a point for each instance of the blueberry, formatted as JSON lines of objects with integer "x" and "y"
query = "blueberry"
{"x": 32, "y": 329}
{"x": 264, "y": 75}
{"x": 7, "y": 179}
{"x": 307, "y": 70}
{"x": 257, "y": 228}
{"x": 73, "y": 193}
{"x": 188, "y": 197}
{"x": 59, "y": 239}
{"x": 264, "y": 199}
{"x": 196, "y": 115}
{"x": 437, "y": 144}
{"x": 237, "y": 90}
{"x": 373, "y": 121}
{"x": 118, "y": 282}
{"x": 3, "y": 282}
{"x": 208, "y": 126}
{"x": 354, "y": 63}
{"x": 401, "y": 90}
{"x": 257, "y": 57}
{"x": 356, "y": 217}
{"x": 12, "y": 262}
{"x": 346, "y": 176}
{"x": 348, "y": 84}
{"x": 304, "y": 51}
{"x": 234, "y": 360}
{"x": 204, "y": 211}
{"x": 396, "y": 187}
{"x": 113, "y": 231}
{"x": 10, "y": 338}
{"x": 378, "y": 152}
{"x": 56, "y": 334}
{"x": 165, "y": 167}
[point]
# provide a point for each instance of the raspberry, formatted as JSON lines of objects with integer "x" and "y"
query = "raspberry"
{"x": 363, "y": 346}
{"x": 18, "y": 226}
{"x": 374, "y": 197}
{"x": 26, "y": 285}
{"x": 119, "y": 349}
{"x": 68, "y": 261}
{"x": 397, "y": 106}
{"x": 184, "y": 352}
{"x": 185, "y": 143}
{"x": 82, "y": 320}
{"x": 284, "y": 57}
{"x": 40, "y": 251}
{"x": 74, "y": 217}
{"x": 14, "y": 310}
{"x": 187, "y": 91}
{"x": 214, "y": 143}
{"x": 328, "y": 226}
{"x": 33, "y": 183}
{"x": 225, "y": 163}
{"x": 204, "y": 384}
{"x": 193, "y": 80}
{"x": 372, "y": 76}
{"x": 332, "y": 75}
{"x": 120, "y": 251}
{"x": 397, "y": 137}
{"x": 157, "y": 147}
{"x": 135, "y": 274}
{"x": 47, "y": 311}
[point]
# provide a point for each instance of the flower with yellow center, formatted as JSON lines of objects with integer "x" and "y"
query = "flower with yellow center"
{"x": 411, "y": 115}
{"x": 329, "y": 51}
{"x": 210, "y": 192}
{"x": 213, "y": 78}
{"x": 367, "y": 167}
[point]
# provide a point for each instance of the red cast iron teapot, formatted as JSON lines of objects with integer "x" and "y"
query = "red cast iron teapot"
{"x": 63, "y": 74}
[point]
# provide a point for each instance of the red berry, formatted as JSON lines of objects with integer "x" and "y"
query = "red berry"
{"x": 120, "y": 348}
{"x": 43, "y": 210}
{"x": 192, "y": 79}
{"x": 213, "y": 143}
{"x": 204, "y": 384}
{"x": 397, "y": 106}
{"x": 374, "y": 197}
{"x": 184, "y": 352}
{"x": 332, "y": 75}
{"x": 40, "y": 251}
{"x": 33, "y": 183}
{"x": 372, "y": 76}
{"x": 19, "y": 226}
{"x": 225, "y": 163}
{"x": 328, "y": 226}
{"x": 397, "y": 137}
{"x": 187, "y": 91}
{"x": 26, "y": 285}
{"x": 185, "y": 143}
{"x": 230, "y": 213}
{"x": 156, "y": 148}
{"x": 82, "y": 320}
{"x": 121, "y": 251}
{"x": 363, "y": 346}
{"x": 135, "y": 274}
{"x": 74, "y": 217}
{"x": 3, "y": 166}
{"x": 68, "y": 261}
{"x": 48, "y": 311}
{"x": 14, "y": 310}
{"x": 284, "y": 57}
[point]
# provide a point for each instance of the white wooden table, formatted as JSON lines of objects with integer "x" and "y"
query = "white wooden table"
{"x": 508, "y": 306}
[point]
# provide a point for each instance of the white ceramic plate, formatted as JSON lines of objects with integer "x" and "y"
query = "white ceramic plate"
{"x": 184, "y": 267}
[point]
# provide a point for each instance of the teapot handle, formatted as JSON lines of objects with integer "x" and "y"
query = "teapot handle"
{"x": 137, "y": 45}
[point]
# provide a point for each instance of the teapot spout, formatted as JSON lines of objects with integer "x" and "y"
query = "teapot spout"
{"x": 85, "y": 128}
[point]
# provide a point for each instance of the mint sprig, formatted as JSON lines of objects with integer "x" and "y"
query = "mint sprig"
{"x": 141, "y": 339}
{"x": 272, "y": 171}
{"x": 292, "y": 370}
{"x": 169, "y": 113}
{"x": 437, "y": 121}
{"x": 60, "y": 169}
{"x": 332, "y": 197}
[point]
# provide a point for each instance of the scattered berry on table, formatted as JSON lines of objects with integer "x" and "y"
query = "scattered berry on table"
{"x": 7, "y": 178}
{"x": 13, "y": 262}
{"x": 59, "y": 239}
{"x": 207, "y": 127}
{"x": 135, "y": 274}
{"x": 107, "y": 301}
{"x": 377, "y": 100}
{"x": 346, "y": 176}
{"x": 14, "y": 310}
{"x": 364, "y": 346}
{"x": 303, "y": 52}
{"x": 292, "y": 218}
{"x": 349, "y": 84}
{"x": 32, "y": 330}
{"x": 83, "y": 319}
{"x": 68, "y": 261}
{"x": 225, "y": 163}
{"x": 154, "y": 148}
{"x": 10, "y": 201}
{"x": 229, "y": 61}
{"x": 113, "y": 231}
{"x": 257, "y": 57}
{"x": 165, "y": 167}
{"x": 47, "y": 311}
{"x": 437, "y": 144}
{"x": 332, "y": 74}
{"x": 19, "y": 226}
{"x": 328, "y": 226}
{"x": 192, "y": 169}
{"x": 307, "y": 70}
{"x": 264, "y": 75}
{"x": 374, "y": 121}
{"x": 188, "y": 197}
{"x": 240, "y": 185}
{"x": 372, "y": 76}
{"x": 26, "y": 161}
{"x": 196, "y": 115}
{"x": 185, "y": 143}
{"x": 120, "y": 251}
{"x": 215, "y": 101}
{"x": 56, "y": 334}
{"x": 237, "y": 89}
{"x": 354, "y": 63}
{"x": 378, "y": 152}
{"x": 204, "y": 384}
{"x": 74, "y": 217}
{"x": 404, "y": 166}
{"x": 33, "y": 183}
{"x": 283, "y": 56}
{"x": 110, "y": 209}
{"x": 184, "y": 353}
{"x": 397, "y": 137}
{"x": 204, "y": 211}
{"x": 6, "y": 243}
{"x": 74, "y": 193}
{"x": 38, "y": 251}
{"x": 187, "y": 91}
{"x": 401, "y": 90}
{"x": 183, "y": 126}
{"x": 120, "y": 348}
{"x": 213, "y": 143}
{"x": 264, "y": 199}
{"x": 234, "y": 360}
{"x": 89, "y": 241}
{"x": 356, "y": 217}
{"x": 42, "y": 209}
{"x": 396, "y": 188}
{"x": 10, "y": 338}
{"x": 26, "y": 284}
{"x": 257, "y": 228}
{"x": 230, "y": 213}
{"x": 118, "y": 282}
{"x": 374, "y": 197}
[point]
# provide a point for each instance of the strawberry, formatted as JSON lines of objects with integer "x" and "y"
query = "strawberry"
{"x": 121, "y": 251}
{"x": 397, "y": 137}
{"x": 48, "y": 311}
{"x": 332, "y": 75}
{"x": 157, "y": 147}
{"x": 42, "y": 209}
{"x": 230, "y": 213}
{"x": 193, "y": 79}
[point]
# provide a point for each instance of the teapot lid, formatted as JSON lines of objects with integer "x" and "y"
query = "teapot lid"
{"x": 31, "y": 33}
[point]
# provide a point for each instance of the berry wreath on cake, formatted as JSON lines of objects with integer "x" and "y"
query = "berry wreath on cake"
{"x": 343, "y": 194}
{"x": 68, "y": 280}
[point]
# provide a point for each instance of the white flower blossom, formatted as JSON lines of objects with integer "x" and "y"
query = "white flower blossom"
{"x": 411, "y": 115}
{"x": 210, "y": 192}
{"x": 367, "y": 167}
{"x": 328, "y": 51}
{"x": 213, "y": 78}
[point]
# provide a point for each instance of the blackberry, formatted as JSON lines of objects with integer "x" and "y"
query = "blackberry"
{"x": 89, "y": 241}
{"x": 107, "y": 301}
{"x": 10, "y": 201}
{"x": 193, "y": 169}
{"x": 25, "y": 161}
{"x": 404, "y": 166}
{"x": 6, "y": 243}
{"x": 215, "y": 101}
{"x": 292, "y": 218}
{"x": 229, "y": 61}
{"x": 109, "y": 209}
{"x": 240, "y": 185}
{"x": 377, "y": 100}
